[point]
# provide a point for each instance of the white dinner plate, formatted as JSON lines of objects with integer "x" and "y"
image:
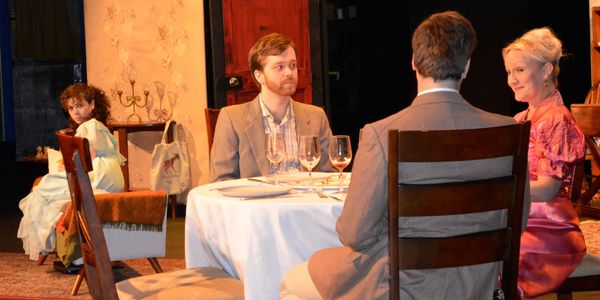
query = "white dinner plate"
{"x": 254, "y": 190}
{"x": 300, "y": 176}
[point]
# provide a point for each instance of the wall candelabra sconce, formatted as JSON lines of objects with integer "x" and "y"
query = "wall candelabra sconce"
{"x": 160, "y": 114}
{"x": 133, "y": 100}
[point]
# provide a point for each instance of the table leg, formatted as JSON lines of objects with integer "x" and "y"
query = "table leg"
{"x": 123, "y": 149}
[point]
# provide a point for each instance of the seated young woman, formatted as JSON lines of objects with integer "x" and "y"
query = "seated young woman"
{"x": 89, "y": 110}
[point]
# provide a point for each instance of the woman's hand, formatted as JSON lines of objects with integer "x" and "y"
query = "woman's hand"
{"x": 544, "y": 188}
{"x": 60, "y": 167}
{"x": 92, "y": 153}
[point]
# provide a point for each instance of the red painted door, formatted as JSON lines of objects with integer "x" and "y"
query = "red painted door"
{"x": 245, "y": 21}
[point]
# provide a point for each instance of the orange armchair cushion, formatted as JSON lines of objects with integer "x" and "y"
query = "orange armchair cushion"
{"x": 139, "y": 207}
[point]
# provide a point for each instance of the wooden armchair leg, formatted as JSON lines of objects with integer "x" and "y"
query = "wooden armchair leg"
{"x": 78, "y": 281}
{"x": 155, "y": 265}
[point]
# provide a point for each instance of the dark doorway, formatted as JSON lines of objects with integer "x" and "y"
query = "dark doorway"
{"x": 368, "y": 50}
{"x": 43, "y": 51}
{"x": 361, "y": 51}
{"x": 48, "y": 54}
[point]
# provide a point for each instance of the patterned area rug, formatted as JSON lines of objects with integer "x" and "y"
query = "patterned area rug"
{"x": 21, "y": 278}
{"x": 591, "y": 232}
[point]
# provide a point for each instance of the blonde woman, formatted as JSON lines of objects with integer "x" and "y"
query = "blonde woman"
{"x": 552, "y": 244}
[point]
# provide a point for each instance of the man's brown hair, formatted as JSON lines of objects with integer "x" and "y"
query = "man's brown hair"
{"x": 442, "y": 45}
{"x": 270, "y": 44}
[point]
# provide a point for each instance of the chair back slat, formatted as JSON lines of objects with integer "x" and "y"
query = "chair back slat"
{"x": 457, "y": 148}
{"x": 452, "y": 250}
{"x": 452, "y": 198}
{"x": 97, "y": 267}
{"x": 466, "y": 197}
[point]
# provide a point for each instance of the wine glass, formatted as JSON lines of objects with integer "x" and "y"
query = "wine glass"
{"x": 275, "y": 145}
{"x": 340, "y": 154}
{"x": 309, "y": 154}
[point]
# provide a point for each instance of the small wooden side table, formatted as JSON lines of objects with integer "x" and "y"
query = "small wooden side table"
{"x": 33, "y": 159}
{"x": 123, "y": 130}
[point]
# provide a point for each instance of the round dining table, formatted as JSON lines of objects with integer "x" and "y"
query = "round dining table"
{"x": 258, "y": 238}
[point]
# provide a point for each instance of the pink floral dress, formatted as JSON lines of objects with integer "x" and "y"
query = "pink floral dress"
{"x": 552, "y": 245}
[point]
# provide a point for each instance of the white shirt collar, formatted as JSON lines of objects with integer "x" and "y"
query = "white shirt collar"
{"x": 438, "y": 89}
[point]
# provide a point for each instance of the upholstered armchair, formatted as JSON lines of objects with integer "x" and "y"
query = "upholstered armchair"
{"x": 134, "y": 223}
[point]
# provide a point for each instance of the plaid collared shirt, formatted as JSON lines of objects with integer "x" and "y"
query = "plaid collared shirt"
{"x": 288, "y": 127}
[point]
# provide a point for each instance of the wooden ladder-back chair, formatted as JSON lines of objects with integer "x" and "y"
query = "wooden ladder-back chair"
{"x": 411, "y": 200}
{"x": 586, "y": 277}
{"x": 74, "y": 146}
{"x": 122, "y": 243}
{"x": 211, "y": 114}
{"x": 200, "y": 283}
{"x": 587, "y": 117}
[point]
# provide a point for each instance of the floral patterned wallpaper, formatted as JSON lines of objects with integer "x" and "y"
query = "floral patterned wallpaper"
{"x": 150, "y": 54}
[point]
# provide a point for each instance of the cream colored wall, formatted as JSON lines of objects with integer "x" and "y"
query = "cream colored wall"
{"x": 153, "y": 41}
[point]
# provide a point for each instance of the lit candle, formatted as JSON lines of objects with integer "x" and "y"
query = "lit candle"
{"x": 131, "y": 78}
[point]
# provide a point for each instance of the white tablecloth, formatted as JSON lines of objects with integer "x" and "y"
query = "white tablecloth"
{"x": 256, "y": 241}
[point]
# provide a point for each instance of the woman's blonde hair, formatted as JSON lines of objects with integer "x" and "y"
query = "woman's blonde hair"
{"x": 542, "y": 45}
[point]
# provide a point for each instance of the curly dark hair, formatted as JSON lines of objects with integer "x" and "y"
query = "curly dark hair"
{"x": 88, "y": 93}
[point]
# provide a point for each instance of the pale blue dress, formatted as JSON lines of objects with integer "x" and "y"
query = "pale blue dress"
{"x": 48, "y": 200}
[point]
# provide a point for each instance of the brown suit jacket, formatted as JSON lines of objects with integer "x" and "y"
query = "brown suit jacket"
{"x": 359, "y": 270}
{"x": 238, "y": 150}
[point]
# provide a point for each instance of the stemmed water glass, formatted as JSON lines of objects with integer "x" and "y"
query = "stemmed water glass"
{"x": 309, "y": 154}
{"x": 340, "y": 154}
{"x": 275, "y": 145}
